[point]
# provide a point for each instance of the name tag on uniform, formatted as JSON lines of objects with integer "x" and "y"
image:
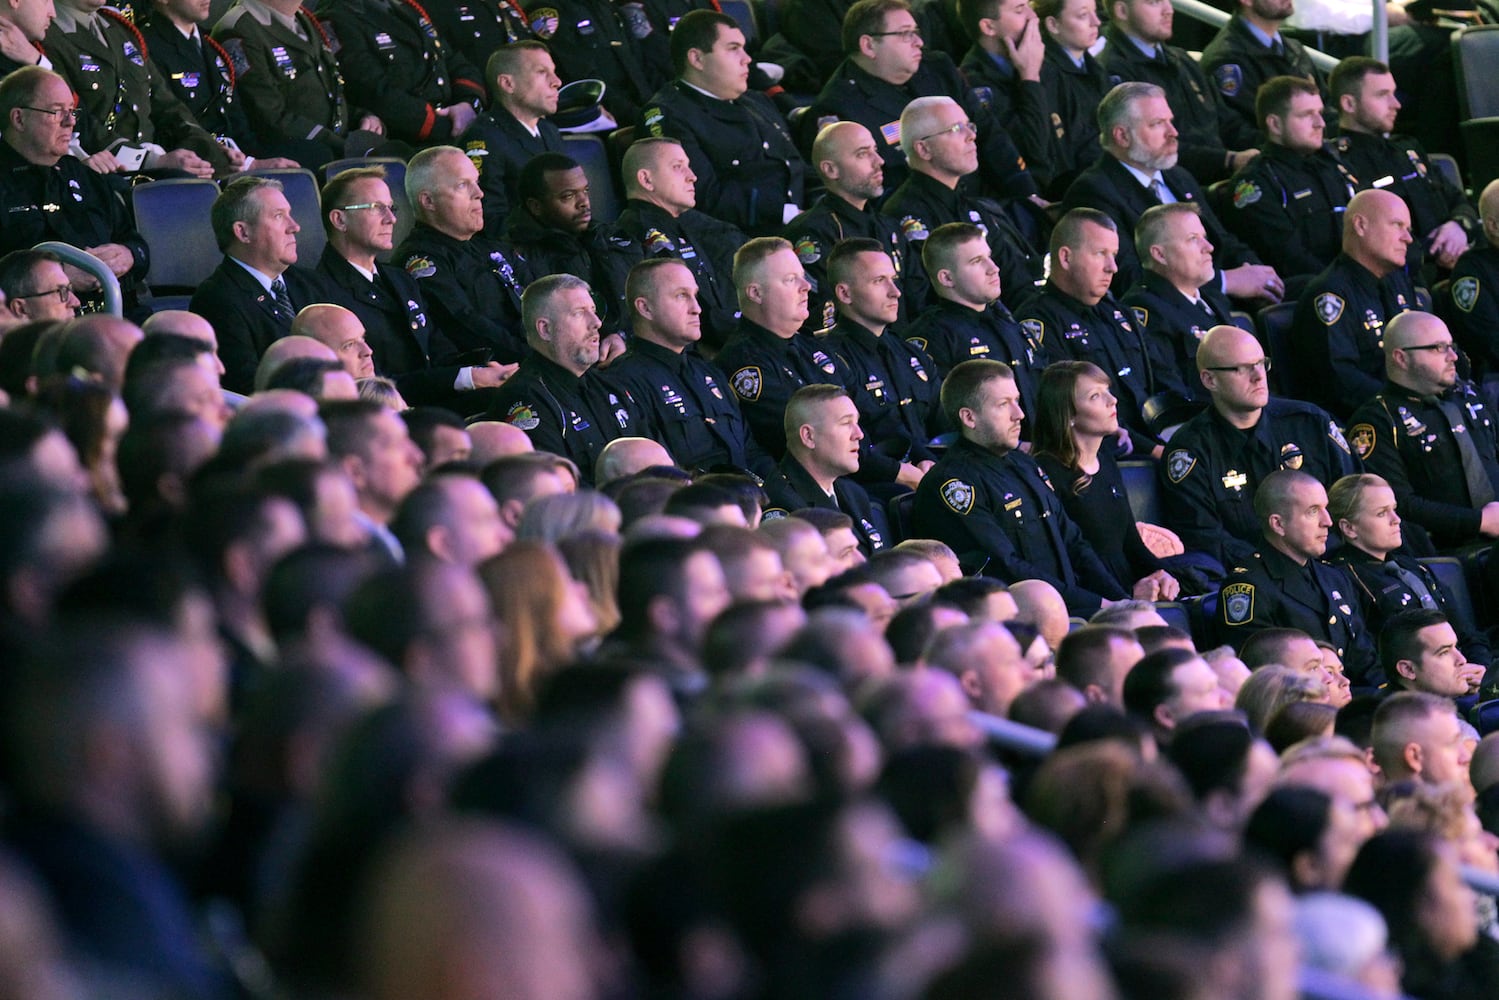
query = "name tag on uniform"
{"x": 383, "y": 40}
{"x": 188, "y": 80}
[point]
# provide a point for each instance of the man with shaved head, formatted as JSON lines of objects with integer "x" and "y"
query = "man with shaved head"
{"x": 341, "y": 332}
{"x": 1338, "y": 337}
{"x": 626, "y": 456}
{"x": 1475, "y": 291}
{"x": 290, "y": 348}
{"x": 848, "y": 160}
{"x": 1216, "y": 460}
{"x": 1429, "y": 433}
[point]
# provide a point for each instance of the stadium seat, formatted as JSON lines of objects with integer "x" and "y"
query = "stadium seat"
{"x": 1446, "y": 165}
{"x": 301, "y": 189}
{"x": 1275, "y": 333}
{"x": 1475, "y": 52}
{"x": 603, "y": 193}
{"x": 900, "y": 509}
{"x": 1143, "y": 490}
{"x": 395, "y": 179}
{"x": 1176, "y": 615}
{"x": 1449, "y": 570}
{"x": 744, "y": 14}
{"x": 172, "y": 216}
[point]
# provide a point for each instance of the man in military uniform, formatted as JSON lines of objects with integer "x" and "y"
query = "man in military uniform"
{"x": 1177, "y": 303}
{"x": 1251, "y": 49}
{"x": 1217, "y": 460}
{"x": 472, "y": 285}
{"x": 1475, "y": 291}
{"x": 884, "y": 70}
{"x": 1442, "y": 218}
{"x": 661, "y": 216}
{"x": 1430, "y": 435}
{"x": 748, "y": 169}
{"x": 1288, "y": 203}
{"x": 687, "y": 401}
{"x": 523, "y": 86}
{"x": 995, "y": 507}
{"x": 557, "y": 397}
{"x": 50, "y": 195}
{"x": 1075, "y": 316}
{"x": 1285, "y": 583}
{"x": 1337, "y": 338}
{"x": 425, "y": 91}
{"x": 942, "y": 152}
{"x": 822, "y": 456}
{"x": 968, "y": 320}
{"x": 477, "y": 28}
{"x": 853, "y": 175}
{"x": 599, "y": 40}
{"x": 1138, "y": 35}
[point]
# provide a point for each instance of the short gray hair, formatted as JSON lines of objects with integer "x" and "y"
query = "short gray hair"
{"x": 235, "y": 204}
{"x": 536, "y": 300}
{"x": 1118, "y": 107}
{"x": 422, "y": 170}
{"x": 915, "y": 119}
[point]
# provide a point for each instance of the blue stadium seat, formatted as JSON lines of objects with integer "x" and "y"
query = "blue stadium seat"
{"x": 744, "y": 14}
{"x": 1449, "y": 570}
{"x": 603, "y": 193}
{"x": 172, "y": 215}
{"x": 1143, "y": 490}
{"x": 900, "y": 509}
{"x": 1275, "y": 333}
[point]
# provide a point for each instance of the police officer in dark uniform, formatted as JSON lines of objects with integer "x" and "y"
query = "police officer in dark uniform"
{"x": 995, "y": 506}
{"x": 1431, "y": 436}
{"x": 424, "y": 90}
{"x": 1475, "y": 292}
{"x": 477, "y": 27}
{"x": 557, "y": 396}
{"x": 1251, "y": 49}
{"x": 748, "y": 170}
{"x": 661, "y": 192}
{"x": 686, "y": 399}
{"x": 1003, "y": 66}
{"x": 599, "y": 40}
{"x": 472, "y": 284}
{"x": 1285, "y": 583}
{"x": 1337, "y": 338}
{"x": 791, "y": 488}
{"x": 1217, "y": 459}
{"x": 1288, "y": 203}
{"x": 1075, "y": 83}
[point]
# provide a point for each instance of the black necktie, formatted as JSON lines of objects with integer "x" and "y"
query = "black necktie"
{"x": 1480, "y": 489}
{"x": 280, "y": 296}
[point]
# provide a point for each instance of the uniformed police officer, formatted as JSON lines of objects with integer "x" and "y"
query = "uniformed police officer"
{"x": 1475, "y": 292}
{"x": 1285, "y": 583}
{"x": 472, "y": 285}
{"x": 1288, "y": 203}
{"x": 557, "y": 397}
{"x": 1003, "y": 66}
{"x": 853, "y": 177}
{"x": 941, "y": 149}
{"x": 969, "y": 321}
{"x": 1337, "y": 341}
{"x": 523, "y": 86}
{"x": 822, "y": 455}
{"x": 994, "y": 505}
{"x": 1430, "y": 435}
{"x": 1217, "y": 460}
{"x": 1075, "y": 82}
{"x": 661, "y": 216}
{"x": 1251, "y": 49}
{"x": 748, "y": 170}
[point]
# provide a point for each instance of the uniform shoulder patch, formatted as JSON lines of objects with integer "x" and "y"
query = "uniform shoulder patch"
{"x": 657, "y": 242}
{"x": 1465, "y": 293}
{"x": 1246, "y": 193}
{"x": 958, "y": 496}
{"x": 653, "y": 119}
{"x": 420, "y": 267}
{"x": 920, "y": 342}
{"x": 1034, "y": 327}
{"x": 1238, "y": 603}
{"x": 1336, "y": 433}
{"x": 1329, "y": 308}
{"x": 914, "y": 228}
{"x": 1229, "y": 78}
{"x": 1142, "y": 315}
{"x": 234, "y": 48}
{"x": 544, "y": 21}
{"x": 808, "y": 251}
{"x": 1363, "y": 438}
{"x": 746, "y": 383}
{"x": 824, "y": 121}
{"x": 523, "y": 415}
{"x": 774, "y": 513}
{"x": 636, "y": 19}
{"x": 1179, "y": 464}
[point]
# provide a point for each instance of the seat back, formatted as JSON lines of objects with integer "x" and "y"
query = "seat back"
{"x": 1450, "y": 573}
{"x": 1475, "y": 53}
{"x": 1275, "y": 333}
{"x": 395, "y": 179}
{"x": 603, "y": 192}
{"x": 1143, "y": 490}
{"x": 901, "y": 508}
{"x": 172, "y": 216}
{"x": 301, "y": 190}
{"x": 744, "y": 15}
{"x": 1176, "y": 615}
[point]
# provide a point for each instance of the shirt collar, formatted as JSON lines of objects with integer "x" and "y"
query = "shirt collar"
{"x": 1146, "y": 180}
{"x": 263, "y": 278}
{"x": 1260, "y": 36}
{"x": 1149, "y": 49}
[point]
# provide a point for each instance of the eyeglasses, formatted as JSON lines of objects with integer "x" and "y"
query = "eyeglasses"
{"x": 1262, "y": 365}
{"x": 66, "y": 114}
{"x": 905, "y": 34}
{"x": 380, "y": 206}
{"x": 960, "y": 128}
{"x": 63, "y": 293}
{"x": 1446, "y": 347}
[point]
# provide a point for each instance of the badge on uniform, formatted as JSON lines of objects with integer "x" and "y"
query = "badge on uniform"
{"x": 1291, "y": 456}
{"x": 774, "y": 514}
{"x": 653, "y": 119}
{"x": 914, "y": 228}
{"x": 523, "y": 415}
{"x": 1229, "y": 78}
{"x": 1363, "y": 439}
{"x": 134, "y": 54}
{"x": 917, "y": 342}
{"x": 420, "y": 267}
{"x": 891, "y": 132}
{"x": 958, "y": 496}
{"x": 1179, "y": 464}
{"x": 1238, "y": 603}
{"x": 807, "y": 250}
{"x": 1246, "y": 194}
{"x": 984, "y": 95}
{"x": 1336, "y": 433}
{"x": 476, "y": 151}
{"x": 1465, "y": 293}
{"x": 1329, "y": 308}
{"x": 235, "y": 48}
{"x": 918, "y": 369}
{"x": 544, "y": 22}
{"x": 746, "y": 383}
{"x": 635, "y": 18}
{"x": 657, "y": 242}
{"x": 712, "y": 386}
{"x": 876, "y": 540}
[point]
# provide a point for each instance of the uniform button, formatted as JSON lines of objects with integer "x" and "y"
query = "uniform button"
{"x": 93, "y": 86}
{"x": 1333, "y": 620}
{"x": 764, "y": 145}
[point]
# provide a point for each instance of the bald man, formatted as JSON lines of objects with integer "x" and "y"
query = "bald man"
{"x": 626, "y": 456}
{"x": 847, "y": 159}
{"x": 1216, "y": 460}
{"x": 1475, "y": 291}
{"x": 1430, "y": 435}
{"x": 1337, "y": 338}
{"x": 184, "y": 324}
{"x": 289, "y": 348}
{"x": 494, "y": 439}
{"x": 339, "y": 330}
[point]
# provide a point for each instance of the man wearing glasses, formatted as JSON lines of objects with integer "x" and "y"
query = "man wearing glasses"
{"x": 1216, "y": 461}
{"x": 35, "y": 287}
{"x": 1430, "y": 435}
{"x": 49, "y": 195}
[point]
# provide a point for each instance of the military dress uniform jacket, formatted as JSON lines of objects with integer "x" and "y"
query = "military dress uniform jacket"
{"x": 1475, "y": 318}
{"x": 705, "y": 244}
{"x": 247, "y": 318}
{"x": 894, "y": 385}
{"x": 1268, "y": 590}
{"x": 601, "y": 255}
{"x": 1337, "y": 343}
{"x": 566, "y": 414}
{"x": 1174, "y": 325}
{"x": 855, "y": 95}
{"x": 1386, "y": 594}
{"x": 591, "y": 39}
{"x": 748, "y": 169}
{"x": 1023, "y": 108}
{"x": 472, "y": 288}
{"x": 1239, "y": 64}
{"x": 791, "y": 488}
{"x": 1075, "y": 92}
{"x": 1212, "y": 469}
{"x": 1002, "y": 516}
{"x": 952, "y": 333}
{"x": 1208, "y": 128}
{"x": 830, "y": 220}
{"x": 923, "y": 203}
{"x": 499, "y": 146}
{"x": 1288, "y": 207}
{"x": 1109, "y": 187}
{"x": 1408, "y": 440}
{"x": 290, "y": 83}
{"x": 477, "y": 27}
{"x": 200, "y": 75}
{"x": 394, "y": 58}
{"x": 1399, "y": 164}
{"x": 689, "y": 406}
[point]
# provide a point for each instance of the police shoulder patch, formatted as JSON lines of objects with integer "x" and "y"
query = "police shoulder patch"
{"x": 746, "y": 383}
{"x": 958, "y": 496}
{"x": 653, "y": 119}
{"x": 1465, "y": 293}
{"x": 1246, "y": 193}
{"x": 420, "y": 267}
{"x": 1238, "y": 603}
{"x": 234, "y": 48}
{"x": 523, "y": 415}
{"x": 1229, "y": 78}
{"x": 1336, "y": 433}
{"x": 1142, "y": 315}
{"x": 1179, "y": 464}
{"x": 914, "y": 228}
{"x": 917, "y": 341}
{"x": 636, "y": 19}
{"x": 808, "y": 251}
{"x": 774, "y": 513}
{"x": 1329, "y": 308}
{"x": 1034, "y": 327}
{"x": 1363, "y": 437}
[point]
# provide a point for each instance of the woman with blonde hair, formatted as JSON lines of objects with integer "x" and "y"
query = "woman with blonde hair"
{"x": 1273, "y": 687}
{"x": 552, "y": 518}
{"x": 592, "y": 558}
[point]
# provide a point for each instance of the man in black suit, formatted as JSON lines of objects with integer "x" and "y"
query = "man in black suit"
{"x": 1138, "y": 170}
{"x": 255, "y": 292}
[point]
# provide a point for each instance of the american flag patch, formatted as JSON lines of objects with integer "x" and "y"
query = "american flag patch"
{"x": 891, "y": 132}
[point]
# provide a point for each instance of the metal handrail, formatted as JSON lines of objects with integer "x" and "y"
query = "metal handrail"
{"x": 1014, "y": 736}
{"x": 1199, "y": 11}
{"x": 114, "y": 303}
